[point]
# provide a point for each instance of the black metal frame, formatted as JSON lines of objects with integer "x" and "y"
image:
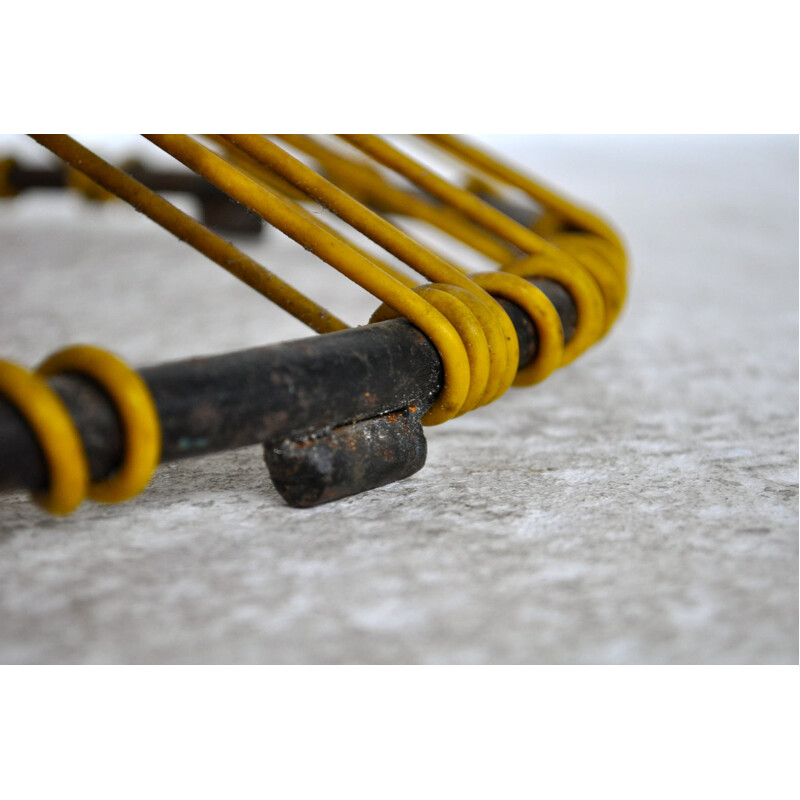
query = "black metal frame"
{"x": 338, "y": 413}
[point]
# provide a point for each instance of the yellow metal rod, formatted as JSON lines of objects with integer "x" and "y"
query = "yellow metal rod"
{"x": 591, "y": 318}
{"x": 462, "y": 199}
{"x": 367, "y": 185}
{"x": 192, "y": 232}
{"x": 254, "y": 169}
{"x": 263, "y": 174}
{"x": 363, "y": 219}
{"x": 547, "y": 198}
{"x": 544, "y": 259}
{"x": 394, "y": 241}
{"x": 278, "y": 212}
{"x": 406, "y": 280}
{"x": 284, "y": 216}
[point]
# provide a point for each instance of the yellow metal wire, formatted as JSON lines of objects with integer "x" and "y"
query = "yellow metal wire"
{"x": 456, "y": 310}
{"x": 601, "y": 251}
{"x": 136, "y": 410}
{"x": 463, "y": 200}
{"x": 279, "y": 213}
{"x": 546, "y": 261}
{"x": 502, "y": 339}
{"x": 552, "y": 201}
{"x": 365, "y": 184}
{"x": 192, "y": 232}
{"x": 68, "y": 476}
{"x": 56, "y": 434}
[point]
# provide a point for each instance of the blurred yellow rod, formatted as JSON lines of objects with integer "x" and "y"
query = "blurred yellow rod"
{"x": 192, "y": 232}
{"x": 367, "y": 184}
{"x": 462, "y": 199}
{"x": 340, "y": 256}
{"x": 535, "y": 190}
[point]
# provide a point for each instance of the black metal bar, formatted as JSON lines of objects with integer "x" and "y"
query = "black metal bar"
{"x": 348, "y": 459}
{"x": 266, "y": 394}
{"x": 22, "y": 178}
{"x": 217, "y": 210}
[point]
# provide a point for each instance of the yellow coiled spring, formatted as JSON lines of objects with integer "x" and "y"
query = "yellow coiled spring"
{"x": 476, "y": 341}
{"x": 68, "y": 479}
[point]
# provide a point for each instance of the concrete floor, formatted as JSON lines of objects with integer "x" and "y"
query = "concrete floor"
{"x": 638, "y": 507}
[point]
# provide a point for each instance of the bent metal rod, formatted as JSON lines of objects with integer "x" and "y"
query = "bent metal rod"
{"x": 342, "y": 412}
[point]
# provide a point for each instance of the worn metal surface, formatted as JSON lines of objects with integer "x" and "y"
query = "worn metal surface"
{"x": 334, "y": 457}
{"x": 290, "y": 389}
{"x": 338, "y": 462}
{"x": 639, "y": 506}
{"x": 349, "y": 459}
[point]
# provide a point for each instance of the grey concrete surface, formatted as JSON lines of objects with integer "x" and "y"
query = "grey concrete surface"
{"x": 640, "y": 506}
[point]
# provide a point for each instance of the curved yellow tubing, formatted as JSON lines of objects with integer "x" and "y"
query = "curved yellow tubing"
{"x": 503, "y": 346}
{"x": 463, "y": 200}
{"x": 136, "y": 409}
{"x": 535, "y": 303}
{"x": 450, "y": 300}
{"x": 365, "y": 183}
{"x": 341, "y": 257}
{"x": 497, "y": 326}
{"x": 45, "y": 412}
{"x": 584, "y": 291}
{"x": 545, "y": 197}
{"x": 458, "y": 312}
{"x": 588, "y": 250}
{"x": 559, "y": 265}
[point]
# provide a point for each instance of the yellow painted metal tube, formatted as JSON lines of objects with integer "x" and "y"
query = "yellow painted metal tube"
{"x": 68, "y": 476}
{"x": 592, "y": 316}
{"x": 592, "y": 252}
{"x": 550, "y": 351}
{"x": 292, "y": 195}
{"x": 45, "y": 412}
{"x": 395, "y": 241}
{"x": 452, "y": 301}
{"x": 585, "y": 293}
{"x": 581, "y": 234}
{"x": 406, "y": 280}
{"x": 137, "y": 412}
{"x": 363, "y": 219}
{"x": 192, "y": 232}
{"x": 365, "y": 184}
{"x": 253, "y": 168}
{"x": 275, "y": 210}
{"x": 546, "y": 197}
{"x": 446, "y": 191}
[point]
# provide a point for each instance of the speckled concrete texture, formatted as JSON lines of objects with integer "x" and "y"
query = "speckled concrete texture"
{"x": 639, "y": 506}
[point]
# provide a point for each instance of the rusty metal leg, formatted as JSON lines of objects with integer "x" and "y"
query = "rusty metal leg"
{"x": 349, "y": 459}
